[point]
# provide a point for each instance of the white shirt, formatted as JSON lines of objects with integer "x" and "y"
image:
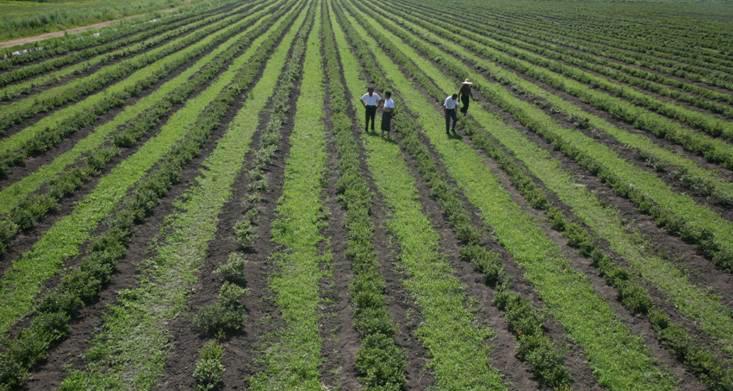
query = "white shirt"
{"x": 389, "y": 104}
{"x": 450, "y": 103}
{"x": 371, "y": 100}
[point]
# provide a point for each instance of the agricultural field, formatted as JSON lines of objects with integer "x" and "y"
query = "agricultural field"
{"x": 195, "y": 203}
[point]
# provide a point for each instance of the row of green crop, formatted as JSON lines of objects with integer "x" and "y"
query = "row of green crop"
{"x": 132, "y": 347}
{"x": 580, "y": 41}
{"x": 53, "y": 129}
{"x": 26, "y": 275}
{"x": 47, "y": 101}
{"x": 302, "y": 252}
{"x": 631, "y": 293}
{"x": 591, "y": 62}
{"x": 678, "y": 213}
{"x": 92, "y": 43}
{"x": 714, "y": 150}
{"x": 567, "y": 293}
{"x": 526, "y": 322}
{"x": 456, "y": 342}
{"x": 49, "y": 78}
{"x": 33, "y": 183}
{"x": 689, "y": 174}
{"x": 379, "y": 361}
{"x": 691, "y": 300}
{"x": 225, "y": 316}
{"x": 33, "y": 207}
{"x": 622, "y": 51}
{"x": 704, "y": 122}
{"x": 99, "y": 55}
{"x": 81, "y": 286}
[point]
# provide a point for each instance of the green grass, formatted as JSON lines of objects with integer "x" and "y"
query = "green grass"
{"x": 457, "y": 345}
{"x": 636, "y": 141}
{"x": 35, "y": 84}
{"x": 25, "y": 277}
{"x": 695, "y": 216}
{"x": 23, "y": 18}
{"x": 694, "y": 302}
{"x": 16, "y": 192}
{"x": 293, "y": 361}
{"x": 51, "y": 99}
{"x": 132, "y": 348}
{"x": 620, "y": 359}
{"x": 19, "y": 139}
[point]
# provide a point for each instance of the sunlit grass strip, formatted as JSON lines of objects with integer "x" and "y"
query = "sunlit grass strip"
{"x": 379, "y": 361}
{"x": 41, "y": 82}
{"x": 32, "y": 209}
{"x": 704, "y": 99}
{"x": 713, "y": 149}
{"x": 54, "y": 67}
{"x": 15, "y": 193}
{"x": 25, "y": 141}
{"x": 49, "y": 100}
{"x": 25, "y": 277}
{"x": 711, "y": 182}
{"x": 293, "y": 361}
{"x": 460, "y": 354}
{"x": 133, "y": 345}
{"x": 678, "y": 213}
{"x": 631, "y": 294}
{"x": 619, "y": 358}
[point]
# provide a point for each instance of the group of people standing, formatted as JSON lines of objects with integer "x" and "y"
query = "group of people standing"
{"x": 372, "y": 102}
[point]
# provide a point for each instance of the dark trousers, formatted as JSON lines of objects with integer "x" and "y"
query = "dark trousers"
{"x": 370, "y": 112}
{"x": 466, "y": 99}
{"x": 450, "y": 115}
{"x": 386, "y": 121}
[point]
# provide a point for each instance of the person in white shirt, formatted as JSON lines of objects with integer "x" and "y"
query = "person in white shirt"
{"x": 387, "y": 112}
{"x": 370, "y": 100}
{"x": 451, "y": 105}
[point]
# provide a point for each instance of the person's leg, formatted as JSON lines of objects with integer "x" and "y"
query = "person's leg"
{"x": 373, "y": 115}
{"x": 366, "y": 119}
{"x": 466, "y": 100}
{"x": 447, "y": 122}
{"x": 454, "y": 116}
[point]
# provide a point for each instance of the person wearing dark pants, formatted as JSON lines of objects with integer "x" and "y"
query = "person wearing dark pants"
{"x": 451, "y": 105}
{"x": 465, "y": 95}
{"x": 387, "y": 112}
{"x": 370, "y": 100}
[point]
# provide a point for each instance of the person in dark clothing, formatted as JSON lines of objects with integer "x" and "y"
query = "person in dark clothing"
{"x": 370, "y": 100}
{"x": 451, "y": 106}
{"x": 387, "y": 112}
{"x": 465, "y": 95}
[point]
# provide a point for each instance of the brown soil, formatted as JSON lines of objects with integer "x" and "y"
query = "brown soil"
{"x": 25, "y": 240}
{"x": 37, "y": 88}
{"x": 186, "y": 342}
{"x": 69, "y": 353}
{"x": 700, "y": 271}
{"x": 76, "y": 30}
{"x": 503, "y": 345}
{"x": 663, "y": 171}
{"x": 35, "y": 117}
{"x": 685, "y": 256}
{"x": 340, "y": 339}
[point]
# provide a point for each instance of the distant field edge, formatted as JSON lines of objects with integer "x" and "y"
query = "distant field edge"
{"x": 10, "y": 38}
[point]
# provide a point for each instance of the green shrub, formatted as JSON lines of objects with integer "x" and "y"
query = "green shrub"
{"x": 233, "y": 270}
{"x": 225, "y": 316}
{"x": 209, "y": 370}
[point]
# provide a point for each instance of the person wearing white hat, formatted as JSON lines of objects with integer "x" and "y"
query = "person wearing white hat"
{"x": 465, "y": 94}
